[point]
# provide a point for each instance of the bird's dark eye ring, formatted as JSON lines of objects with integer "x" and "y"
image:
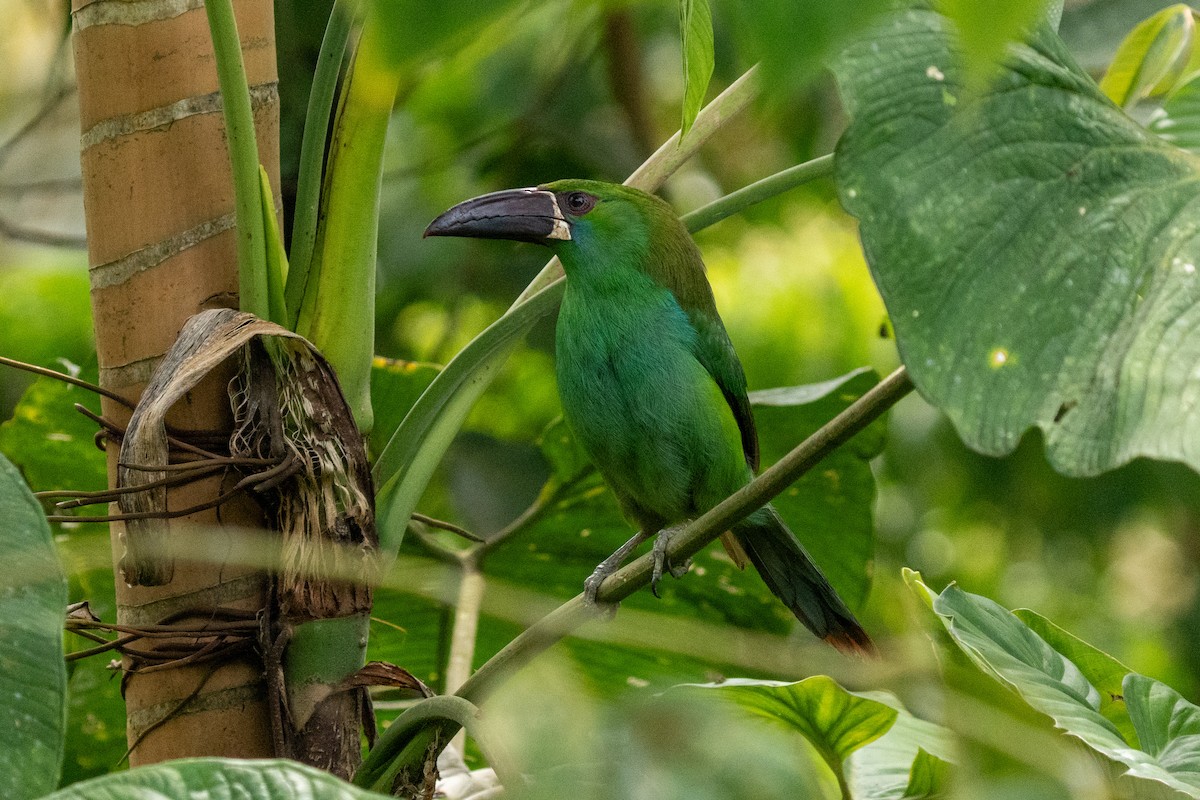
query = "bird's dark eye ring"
{"x": 578, "y": 203}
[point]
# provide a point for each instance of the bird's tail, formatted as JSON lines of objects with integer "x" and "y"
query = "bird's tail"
{"x": 793, "y": 577}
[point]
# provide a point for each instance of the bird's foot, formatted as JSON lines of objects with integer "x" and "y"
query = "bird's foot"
{"x": 591, "y": 586}
{"x": 661, "y": 561}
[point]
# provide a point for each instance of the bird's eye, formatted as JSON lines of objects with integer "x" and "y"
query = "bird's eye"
{"x": 578, "y": 203}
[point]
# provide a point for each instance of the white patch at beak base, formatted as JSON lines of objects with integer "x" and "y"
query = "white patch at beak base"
{"x": 561, "y": 229}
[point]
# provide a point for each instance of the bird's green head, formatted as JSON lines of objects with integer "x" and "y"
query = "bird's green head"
{"x": 586, "y": 223}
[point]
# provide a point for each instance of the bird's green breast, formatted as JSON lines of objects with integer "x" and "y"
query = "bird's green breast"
{"x": 640, "y": 403}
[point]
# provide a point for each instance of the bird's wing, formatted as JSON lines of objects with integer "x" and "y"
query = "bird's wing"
{"x": 716, "y": 353}
{"x": 675, "y": 263}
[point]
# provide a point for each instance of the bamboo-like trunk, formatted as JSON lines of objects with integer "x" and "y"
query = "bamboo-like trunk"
{"x": 162, "y": 246}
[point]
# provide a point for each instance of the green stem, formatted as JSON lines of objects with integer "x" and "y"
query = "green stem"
{"x": 392, "y": 749}
{"x": 759, "y": 191}
{"x": 672, "y": 155}
{"x": 450, "y": 710}
{"x": 337, "y": 309}
{"x": 697, "y": 534}
{"x": 243, "y": 154}
{"x": 312, "y": 150}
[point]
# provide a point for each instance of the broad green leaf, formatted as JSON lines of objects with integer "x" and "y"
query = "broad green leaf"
{"x": 1178, "y": 120}
{"x": 985, "y": 29}
{"x": 869, "y": 740}
{"x": 928, "y": 778}
{"x": 830, "y": 508}
{"x": 217, "y": 778}
{"x": 33, "y": 675}
{"x": 419, "y": 32}
{"x": 1035, "y": 247}
{"x": 395, "y": 387}
{"x": 1152, "y": 56}
{"x": 1005, "y": 648}
{"x": 679, "y": 745}
{"x": 50, "y": 442}
{"x": 913, "y": 756}
{"x": 795, "y": 40}
{"x": 1099, "y": 668}
{"x": 1168, "y": 727}
{"x": 695, "y": 27}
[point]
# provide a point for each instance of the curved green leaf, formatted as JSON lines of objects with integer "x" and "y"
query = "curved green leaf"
{"x": 33, "y": 675}
{"x": 50, "y": 442}
{"x": 695, "y": 26}
{"x": 927, "y": 778}
{"x": 911, "y": 760}
{"x": 985, "y": 29}
{"x": 836, "y": 722}
{"x": 1178, "y": 121}
{"x": 1035, "y": 247}
{"x": 1168, "y": 728}
{"x": 1005, "y": 648}
{"x": 1099, "y": 668}
{"x": 395, "y": 387}
{"x": 217, "y": 778}
{"x": 872, "y": 744}
{"x": 1151, "y": 57}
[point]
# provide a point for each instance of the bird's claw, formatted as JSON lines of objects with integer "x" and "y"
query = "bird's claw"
{"x": 591, "y": 590}
{"x": 662, "y": 561}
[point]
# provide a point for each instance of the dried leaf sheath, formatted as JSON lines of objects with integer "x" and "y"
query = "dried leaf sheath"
{"x": 287, "y": 405}
{"x": 289, "y": 410}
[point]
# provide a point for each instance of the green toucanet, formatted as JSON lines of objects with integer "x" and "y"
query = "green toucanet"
{"x": 650, "y": 383}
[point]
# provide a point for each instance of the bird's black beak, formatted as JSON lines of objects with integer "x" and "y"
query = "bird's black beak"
{"x": 523, "y": 215}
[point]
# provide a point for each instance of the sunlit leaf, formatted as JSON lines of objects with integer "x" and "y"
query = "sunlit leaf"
{"x": 1101, "y": 670}
{"x": 1152, "y": 56}
{"x": 217, "y": 777}
{"x": 928, "y": 777}
{"x": 50, "y": 442}
{"x": 1005, "y": 648}
{"x": 794, "y": 40}
{"x": 985, "y": 29}
{"x": 832, "y": 719}
{"x": 695, "y": 26}
{"x": 869, "y": 740}
{"x": 1178, "y": 120}
{"x": 33, "y": 676}
{"x": 1047, "y": 282}
{"x": 914, "y": 756}
{"x": 1168, "y": 728}
{"x": 395, "y": 386}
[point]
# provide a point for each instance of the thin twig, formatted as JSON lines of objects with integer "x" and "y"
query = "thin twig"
{"x": 447, "y": 526}
{"x": 65, "y": 378}
{"x": 394, "y": 747}
{"x": 697, "y": 534}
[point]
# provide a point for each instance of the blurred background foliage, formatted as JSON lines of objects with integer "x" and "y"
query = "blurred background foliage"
{"x": 586, "y": 89}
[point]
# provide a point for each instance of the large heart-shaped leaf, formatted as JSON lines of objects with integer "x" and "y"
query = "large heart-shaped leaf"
{"x": 33, "y": 675}
{"x": 868, "y": 740}
{"x": 1036, "y": 248}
